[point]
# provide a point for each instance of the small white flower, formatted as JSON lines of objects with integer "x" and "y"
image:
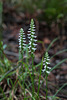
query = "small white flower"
{"x": 32, "y": 37}
{"x": 34, "y": 49}
{"x": 48, "y": 67}
{"x": 28, "y": 34}
{"x": 46, "y": 63}
{"x": 43, "y": 70}
{"x": 48, "y": 72}
{"x": 34, "y": 44}
{"x": 22, "y": 40}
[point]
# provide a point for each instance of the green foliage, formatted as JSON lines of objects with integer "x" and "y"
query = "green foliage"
{"x": 4, "y": 62}
{"x": 52, "y": 9}
{"x": 30, "y": 6}
{"x": 29, "y": 75}
{"x": 55, "y": 9}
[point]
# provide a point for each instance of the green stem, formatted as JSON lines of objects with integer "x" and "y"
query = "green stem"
{"x": 22, "y": 74}
{"x": 39, "y": 80}
{"x": 22, "y": 60}
{"x": 27, "y": 55}
{"x": 46, "y": 82}
{"x": 46, "y": 85}
{"x": 32, "y": 75}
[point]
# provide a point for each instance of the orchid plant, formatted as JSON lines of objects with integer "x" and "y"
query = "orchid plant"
{"x": 46, "y": 69}
{"x": 30, "y": 77}
{"x": 32, "y": 38}
{"x": 31, "y": 49}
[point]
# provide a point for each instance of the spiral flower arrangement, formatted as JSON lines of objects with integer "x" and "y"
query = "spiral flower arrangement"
{"x": 32, "y": 38}
{"x": 22, "y": 40}
{"x": 46, "y": 62}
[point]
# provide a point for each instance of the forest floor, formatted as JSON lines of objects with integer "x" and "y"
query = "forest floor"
{"x": 12, "y": 24}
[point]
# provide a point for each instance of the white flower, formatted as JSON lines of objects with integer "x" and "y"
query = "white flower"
{"x": 46, "y": 63}
{"x": 32, "y": 37}
{"x": 22, "y": 40}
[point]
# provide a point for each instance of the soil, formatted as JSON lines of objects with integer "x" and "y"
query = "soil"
{"x": 12, "y": 23}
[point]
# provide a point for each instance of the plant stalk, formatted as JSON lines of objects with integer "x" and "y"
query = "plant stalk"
{"x": 46, "y": 83}
{"x": 32, "y": 75}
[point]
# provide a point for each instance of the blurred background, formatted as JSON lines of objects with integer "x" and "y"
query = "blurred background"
{"x": 50, "y": 17}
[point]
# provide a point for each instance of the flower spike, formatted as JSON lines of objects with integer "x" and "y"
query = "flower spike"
{"x": 32, "y": 37}
{"x": 46, "y": 63}
{"x": 22, "y": 40}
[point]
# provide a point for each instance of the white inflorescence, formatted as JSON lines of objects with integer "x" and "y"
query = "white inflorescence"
{"x": 46, "y": 63}
{"x": 22, "y": 40}
{"x": 32, "y": 37}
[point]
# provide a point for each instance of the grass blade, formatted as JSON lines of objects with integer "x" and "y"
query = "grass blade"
{"x": 52, "y": 43}
{"x": 58, "y": 64}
